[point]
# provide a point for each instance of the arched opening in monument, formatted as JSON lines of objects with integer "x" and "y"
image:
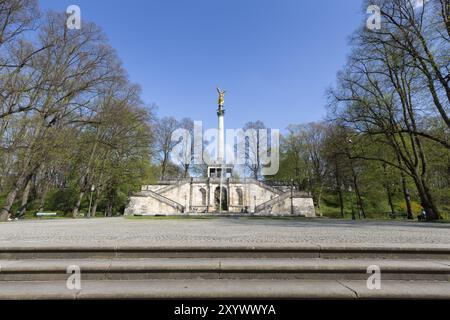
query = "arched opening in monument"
{"x": 203, "y": 192}
{"x": 224, "y": 199}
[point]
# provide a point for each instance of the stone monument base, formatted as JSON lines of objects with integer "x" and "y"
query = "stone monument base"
{"x": 201, "y": 197}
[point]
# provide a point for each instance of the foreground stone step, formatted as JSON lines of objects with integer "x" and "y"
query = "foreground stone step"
{"x": 225, "y": 268}
{"x": 225, "y": 289}
{"x": 278, "y": 251}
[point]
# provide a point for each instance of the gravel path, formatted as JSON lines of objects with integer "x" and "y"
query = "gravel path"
{"x": 222, "y": 231}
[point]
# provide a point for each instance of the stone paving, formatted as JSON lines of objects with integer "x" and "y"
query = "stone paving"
{"x": 221, "y": 232}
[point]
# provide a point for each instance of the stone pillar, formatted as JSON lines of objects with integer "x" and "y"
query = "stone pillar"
{"x": 229, "y": 194}
{"x": 190, "y": 195}
{"x": 221, "y": 135}
{"x": 208, "y": 200}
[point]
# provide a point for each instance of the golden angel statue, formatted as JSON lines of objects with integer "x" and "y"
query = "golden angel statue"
{"x": 221, "y": 97}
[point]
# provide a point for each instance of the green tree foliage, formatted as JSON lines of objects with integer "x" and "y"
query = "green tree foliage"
{"x": 72, "y": 127}
{"x": 385, "y": 145}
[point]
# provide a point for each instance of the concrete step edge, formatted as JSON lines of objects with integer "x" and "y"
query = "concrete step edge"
{"x": 224, "y": 265}
{"x": 222, "y": 252}
{"x": 228, "y": 248}
{"x": 224, "y": 289}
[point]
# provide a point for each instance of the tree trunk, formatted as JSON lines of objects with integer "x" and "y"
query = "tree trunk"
{"x": 25, "y": 196}
{"x": 359, "y": 201}
{"x": 163, "y": 168}
{"x": 255, "y": 173}
{"x": 77, "y": 205}
{"x": 94, "y": 206}
{"x": 353, "y": 209}
{"x": 85, "y": 185}
{"x": 5, "y": 211}
{"x": 319, "y": 198}
{"x": 110, "y": 205}
{"x": 387, "y": 185}
{"x": 43, "y": 196}
{"x": 109, "y": 209}
{"x": 341, "y": 202}
{"x": 26, "y": 173}
{"x": 96, "y": 200}
{"x": 339, "y": 190}
{"x": 407, "y": 196}
{"x": 405, "y": 189}
{"x": 426, "y": 200}
{"x": 389, "y": 195}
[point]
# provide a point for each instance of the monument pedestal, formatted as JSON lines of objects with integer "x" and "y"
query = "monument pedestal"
{"x": 217, "y": 171}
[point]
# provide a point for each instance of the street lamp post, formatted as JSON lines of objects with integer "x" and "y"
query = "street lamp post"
{"x": 351, "y": 201}
{"x": 292, "y": 196}
{"x": 90, "y": 201}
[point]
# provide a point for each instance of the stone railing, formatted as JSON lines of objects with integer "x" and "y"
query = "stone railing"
{"x": 163, "y": 199}
{"x": 267, "y": 187}
{"x": 269, "y": 204}
{"x": 172, "y": 186}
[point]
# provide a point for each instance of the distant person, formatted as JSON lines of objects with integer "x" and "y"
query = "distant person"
{"x": 423, "y": 215}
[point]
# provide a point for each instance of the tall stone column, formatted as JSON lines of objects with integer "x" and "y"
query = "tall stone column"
{"x": 209, "y": 195}
{"x": 191, "y": 194}
{"x": 221, "y": 134}
{"x": 221, "y": 127}
{"x": 229, "y": 203}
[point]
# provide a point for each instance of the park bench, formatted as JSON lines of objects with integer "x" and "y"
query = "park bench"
{"x": 46, "y": 214}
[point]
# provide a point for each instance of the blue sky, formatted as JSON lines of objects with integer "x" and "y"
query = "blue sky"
{"x": 275, "y": 58}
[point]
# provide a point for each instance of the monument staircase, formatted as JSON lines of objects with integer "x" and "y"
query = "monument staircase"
{"x": 266, "y": 186}
{"x": 266, "y": 206}
{"x": 172, "y": 186}
{"x": 283, "y": 271}
{"x": 158, "y": 196}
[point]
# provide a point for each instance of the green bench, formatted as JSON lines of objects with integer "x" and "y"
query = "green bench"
{"x": 46, "y": 214}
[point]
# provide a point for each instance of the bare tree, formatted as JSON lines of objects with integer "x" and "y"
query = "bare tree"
{"x": 164, "y": 130}
{"x": 187, "y": 146}
{"x": 380, "y": 94}
{"x": 422, "y": 33}
{"x": 65, "y": 74}
{"x": 254, "y": 148}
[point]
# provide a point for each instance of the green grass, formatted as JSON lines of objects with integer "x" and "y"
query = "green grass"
{"x": 375, "y": 210}
{"x": 180, "y": 217}
{"x": 211, "y": 216}
{"x": 329, "y": 209}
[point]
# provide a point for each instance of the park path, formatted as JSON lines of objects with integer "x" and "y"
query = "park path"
{"x": 222, "y": 232}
